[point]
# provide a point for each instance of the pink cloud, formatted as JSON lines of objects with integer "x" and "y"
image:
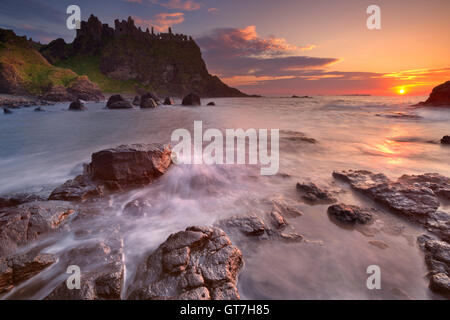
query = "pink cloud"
{"x": 187, "y": 5}
{"x": 161, "y": 21}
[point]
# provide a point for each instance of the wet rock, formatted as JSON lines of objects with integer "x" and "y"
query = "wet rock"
{"x": 102, "y": 271}
{"x": 147, "y": 102}
{"x": 18, "y": 268}
{"x": 191, "y": 99}
{"x": 290, "y": 136}
{"x": 168, "y": 101}
{"x": 112, "y": 169}
{"x": 77, "y": 106}
{"x": 439, "y": 96}
{"x": 314, "y": 195}
{"x": 84, "y": 89}
{"x": 19, "y": 198}
{"x": 198, "y": 263}
{"x": 137, "y": 208}
{"x": 211, "y": 103}
{"x": 285, "y": 210}
{"x": 415, "y": 201}
{"x": 445, "y": 140}
{"x": 278, "y": 220}
{"x": 7, "y": 111}
{"x": 28, "y": 222}
{"x": 437, "y": 258}
{"x": 250, "y": 225}
{"x": 118, "y": 102}
{"x": 39, "y": 109}
{"x": 439, "y": 224}
{"x": 434, "y": 181}
{"x": 350, "y": 214}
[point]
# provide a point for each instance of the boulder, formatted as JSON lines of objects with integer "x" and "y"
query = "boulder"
{"x": 17, "y": 268}
{"x": 250, "y": 225}
{"x": 112, "y": 169}
{"x": 438, "y": 223}
{"x": 413, "y": 200}
{"x": 168, "y": 101}
{"x": 350, "y": 214}
{"x": 118, "y": 102}
{"x": 23, "y": 224}
{"x": 39, "y": 109}
{"x": 437, "y": 258}
{"x": 147, "y": 102}
{"x": 102, "y": 271}
{"x": 77, "y": 106}
{"x": 191, "y": 99}
{"x": 313, "y": 194}
{"x": 439, "y": 96}
{"x": 82, "y": 88}
{"x": 199, "y": 263}
{"x": 445, "y": 140}
{"x": 211, "y": 103}
{"x": 7, "y": 111}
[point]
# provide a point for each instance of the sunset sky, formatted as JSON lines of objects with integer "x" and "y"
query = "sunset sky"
{"x": 281, "y": 47}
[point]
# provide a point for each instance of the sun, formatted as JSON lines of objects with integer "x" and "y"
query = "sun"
{"x": 401, "y": 91}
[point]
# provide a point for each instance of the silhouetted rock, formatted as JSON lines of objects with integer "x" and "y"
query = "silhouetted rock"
{"x": 445, "y": 140}
{"x": 191, "y": 99}
{"x": 17, "y": 268}
{"x": 211, "y": 103}
{"x": 439, "y": 96}
{"x": 168, "y": 101}
{"x": 20, "y": 225}
{"x": 147, "y": 101}
{"x": 314, "y": 195}
{"x": 7, "y": 111}
{"x": 77, "y": 106}
{"x": 197, "y": 264}
{"x": 350, "y": 214}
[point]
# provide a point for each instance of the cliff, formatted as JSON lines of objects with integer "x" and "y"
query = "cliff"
{"x": 439, "y": 96}
{"x": 125, "y": 57}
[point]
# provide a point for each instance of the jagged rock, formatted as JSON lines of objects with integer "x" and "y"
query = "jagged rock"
{"x": 439, "y": 224}
{"x": 250, "y": 225}
{"x": 116, "y": 168}
{"x": 439, "y": 184}
{"x": 7, "y": 111}
{"x": 18, "y": 268}
{"x": 102, "y": 271}
{"x": 168, "y": 101}
{"x": 439, "y": 96}
{"x": 437, "y": 258}
{"x": 147, "y": 101}
{"x": 198, "y": 263}
{"x": 191, "y": 99}
{"x": 350, "y": 214}
{"x": 82, "y": 88}
{"x": 77, "y": 106}
{"x": 58, "y": 93}
{"x": 415, "y": 201}
{"x": 211, "y": 103}
{"x": 445, "y": 140}
{"x": 314, "y": 195}
{"x": 25, "y": 223}
{"x": 278, "y": 220}
{"x": 136, "y": 101}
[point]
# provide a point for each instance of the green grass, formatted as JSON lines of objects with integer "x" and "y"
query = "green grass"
{"x": 90, "y": 66}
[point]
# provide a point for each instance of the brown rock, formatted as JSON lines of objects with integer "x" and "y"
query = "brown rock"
{"x": 314, "y": 195}
{"x": 350, "y": 214}
{"x": 439, "y": 96}
{"x": 191, "y": 99}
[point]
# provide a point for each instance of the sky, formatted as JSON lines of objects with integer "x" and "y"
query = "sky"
{"x": 281, "y": 47}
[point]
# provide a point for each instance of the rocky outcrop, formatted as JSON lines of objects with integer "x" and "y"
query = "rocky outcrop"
{"x": 116, "y": 168}
{"x": 102, "y": 271}
{"x": 28, "y": 222}
{"x": 437, "y": 258}
{"x": 350, "y": 214}
{"x": 82, "y": 88}
{"x": 438, "y": 223}
{"x": 77, "y": 106}
{"x": 439, "y": 96}
{"x": 445, "y": 140}
{"x": 199, "y": 263}
{"x": 313, "y": 194}
{"x": 18, "y": 268}
{"x": 191, "y": 99}
{"x": 415, "y": 197}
